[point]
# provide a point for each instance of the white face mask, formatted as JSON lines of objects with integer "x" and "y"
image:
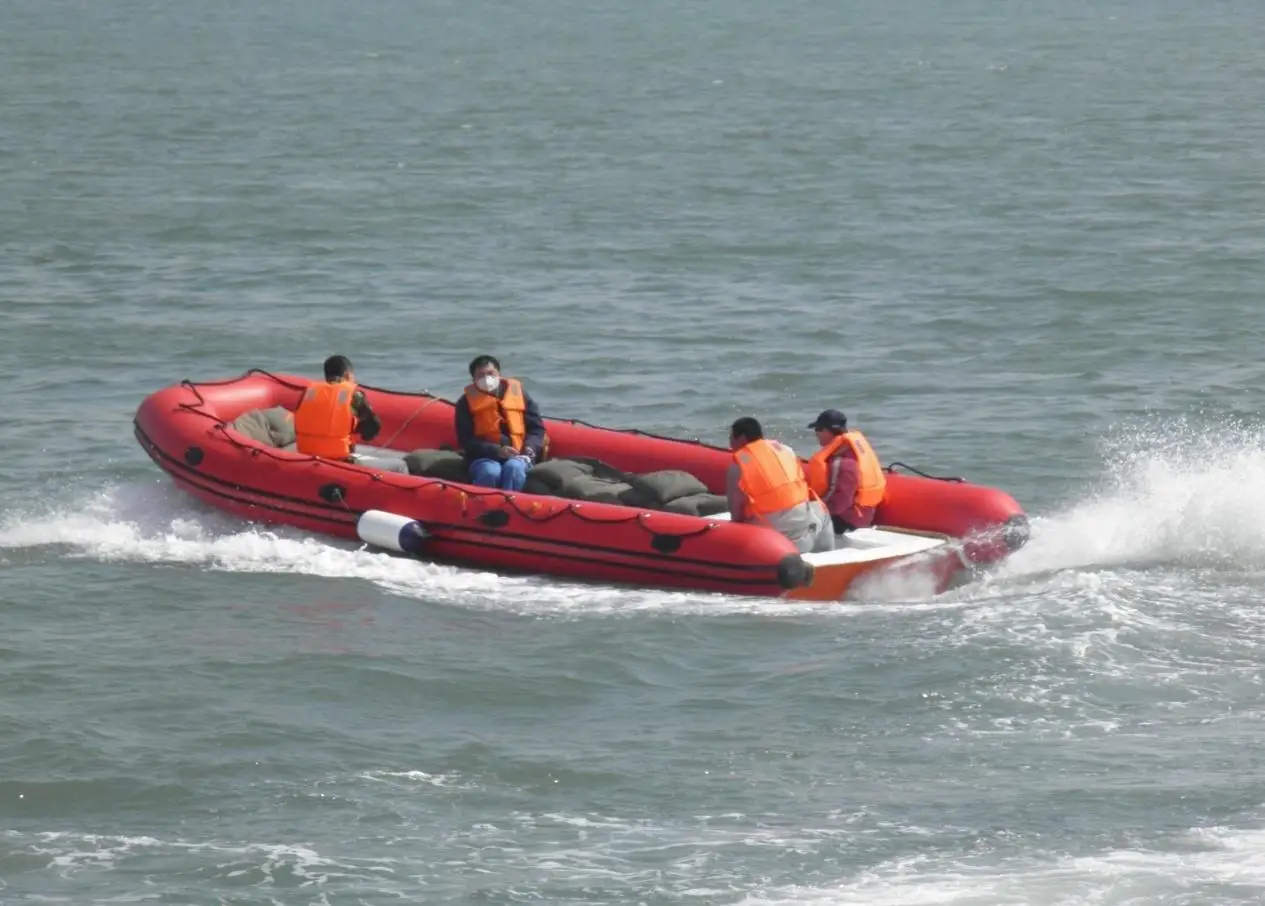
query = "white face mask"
{"x": 488, "y": 383}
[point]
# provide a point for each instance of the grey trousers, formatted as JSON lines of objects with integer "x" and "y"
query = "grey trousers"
{"x": 808, "y": 526}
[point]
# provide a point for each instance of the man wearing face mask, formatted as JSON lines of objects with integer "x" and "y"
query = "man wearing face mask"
{"x": 499, "y": 427}
{"x": 766, "y": 485}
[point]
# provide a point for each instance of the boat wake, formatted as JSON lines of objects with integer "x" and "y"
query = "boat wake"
{"x": 153, "y": 522}
{"x": 1205, "y": 865}
{"x": 1186, "y": 497}
{"x": 1186, "y": 500}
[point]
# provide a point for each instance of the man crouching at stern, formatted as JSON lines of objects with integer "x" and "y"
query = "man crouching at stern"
{"x": 766, "y": 485}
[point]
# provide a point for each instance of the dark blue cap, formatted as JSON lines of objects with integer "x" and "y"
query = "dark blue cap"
{"x": 831, "y": 418}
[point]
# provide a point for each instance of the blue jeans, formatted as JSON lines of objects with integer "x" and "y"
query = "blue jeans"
{"x": 510, "y": 475}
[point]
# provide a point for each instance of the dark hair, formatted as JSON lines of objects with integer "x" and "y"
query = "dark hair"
{"x": 747, "y": 428}
{"x": 337, "y": 366}
{"x": 480, "y": 360}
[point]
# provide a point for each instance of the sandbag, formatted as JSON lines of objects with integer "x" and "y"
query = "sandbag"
{"x": 271, "y": 427}
{"x": 253, "y": 425}
{"x": 699, "y": 505}
{"x": 443, "y": 464}
{"x": 537, "y": 486}
{"x": 592, "y": 489}
{"x": 280, "y": 421}
{"x": 661, "y": 488}
{"x": 635, "y": 498}
{"x": 598, "y": 468}
{"x": 549, "y": 477}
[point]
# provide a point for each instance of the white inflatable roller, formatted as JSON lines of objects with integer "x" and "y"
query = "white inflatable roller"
{"x": 396, "y": 533}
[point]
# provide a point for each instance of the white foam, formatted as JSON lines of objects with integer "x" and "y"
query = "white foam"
{"x": 140, "y": 525}
{"x": 448, "y": 781}
{"x": 71, "y": 853}
{"x": 1187, "y": 496}
{"x": 155, "y": 523}
{"x": 1214, "y": 866}
{"x": 1227, "y": 867}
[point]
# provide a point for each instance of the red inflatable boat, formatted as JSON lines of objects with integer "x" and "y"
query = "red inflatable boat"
{"x": 940, "y": 525}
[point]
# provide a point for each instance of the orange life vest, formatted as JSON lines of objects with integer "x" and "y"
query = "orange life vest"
{"x": 496, "y": 416}
{"x": 872, "y": 482}
{"x": 770, "y": 477}
{"x": 324, "y": 422}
